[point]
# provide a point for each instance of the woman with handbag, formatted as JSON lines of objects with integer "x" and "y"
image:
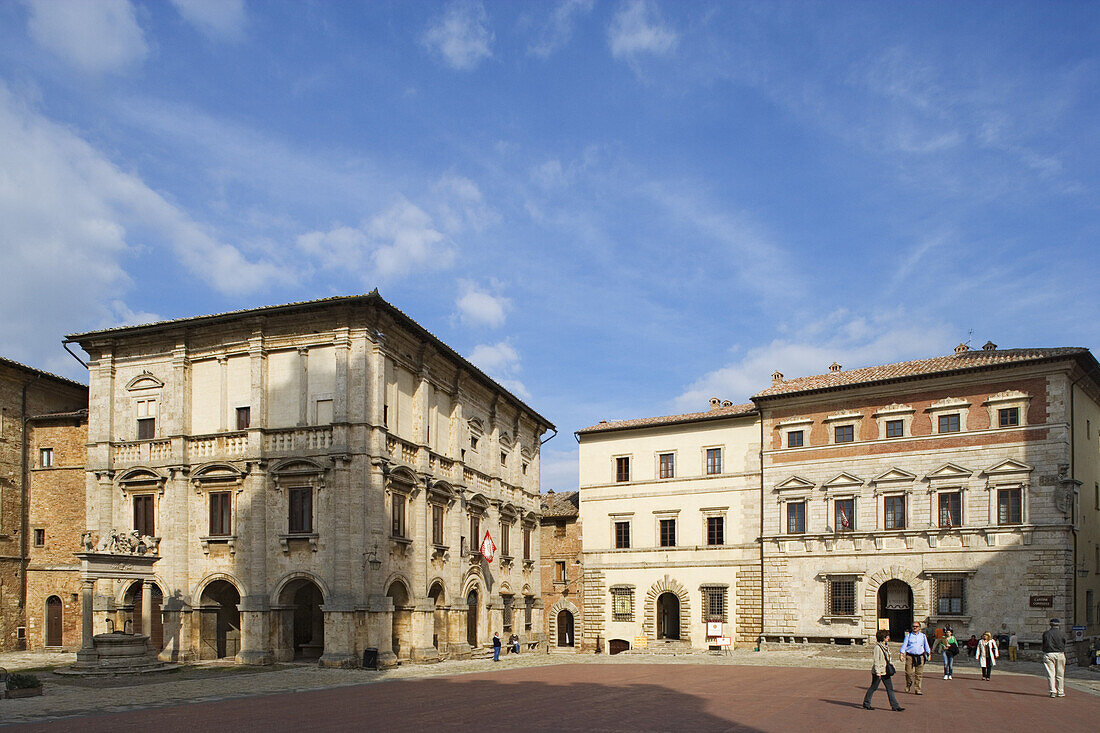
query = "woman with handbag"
{"x": 949, "y": 645}
{"x": 881, "y": 672}
{"x": 987, "y": 654}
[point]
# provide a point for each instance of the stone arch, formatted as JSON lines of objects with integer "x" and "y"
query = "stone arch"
{"x": 667, "y": 585}
{"x": 290, "y": 577}
{"x": 211, "y": 577}
{"x": 218, "y": 617}
{"x": 299, "y": 622}
{"x": 437, "y": 581}
{"x": 564, "y": 604}
{"x": 921, "y": 595}
{"x": 397, "y": 590}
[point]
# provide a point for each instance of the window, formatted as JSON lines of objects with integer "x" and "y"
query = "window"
{"x": 622, "y": 604}
{"x": 143, "y": 515}
{"x": 39, "y": 538}
{"x": 475, "y": 532}
{"x": 1090, "y": 610}
{"x": 386, "y": 415}
{"x": 146, "y": 419}
{"x": 950, "y": 592}
{"x": 397, "y": 515}
{"x": 503, "y": 458}
{"x": 714, "y": 604}
{"x": 244, "y": 418}
{"x": 526, "y": 543}
{"x": 716, "y": 530}
{"x": 1008, "y": 417}
{"x": 559, "y": 571}
{"x": 506, "y": 599}
{"x": 844, "y": 433}
{"x": 667, "y": 467}
{"x": 473, "y": 442}
{"x": 437, "y": 524}
{"x": 622, "y": 535}
{"x": 220, "y": 522}
{"x": 622, "y": 469}
{"x": 528, "y": 611}
{"x": 895, "y": 428}
{"x": 523, "y": 468}
{"x": 795, "y": 438}
{"x": 842, "y": 596}
{"x": 950, "y": 509}
{"x": 949, "y": 423}
{"x": 796, "y": 517}
{"x": 300, "y": 520}
{"x": 45, "y": 457}
{"x": 894, "y": 512}
{"x": 668, "y": 532}
{"x": 1009, "y": 507}
{"x": 504, "y": 532}
{"x": 714, "y": 461}
{"x": 845, "y": 510}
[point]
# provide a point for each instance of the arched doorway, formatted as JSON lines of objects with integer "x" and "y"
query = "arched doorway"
{"x": 439, "y": 617}
{"x": 220, "y": 630}
{"x": 401, "y": 626}
{"x": 308, "y": 622}
{"x": 471, "y": 617}
{"x": 565, "y": 628}
{"x": 895, "y": 608}
{"x": 668, "y": 616}
{"x": 155, "y": 629}
{"x": 53, "y": 621}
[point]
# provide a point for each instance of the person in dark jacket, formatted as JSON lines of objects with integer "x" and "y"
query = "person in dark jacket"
{"x": 496, "y": 647}
{"x": 1054, "y": 657}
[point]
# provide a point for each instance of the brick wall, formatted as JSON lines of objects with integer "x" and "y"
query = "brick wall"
{"x": 560, "y": 541}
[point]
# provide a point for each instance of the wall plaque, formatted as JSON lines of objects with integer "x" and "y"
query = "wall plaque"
{"x": 1042, "y": 601}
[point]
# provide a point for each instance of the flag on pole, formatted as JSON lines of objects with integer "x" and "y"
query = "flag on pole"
{"x": 488, "y": 547}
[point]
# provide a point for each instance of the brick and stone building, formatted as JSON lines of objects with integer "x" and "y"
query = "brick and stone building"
{"x": 320, "y": 476}
{"x": 24, "y": 392}
{"x": 562, "y": 571}
{"x": 671, "y": 513}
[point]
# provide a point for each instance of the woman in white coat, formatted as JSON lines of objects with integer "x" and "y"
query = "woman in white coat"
{"x": 987, "y": 654}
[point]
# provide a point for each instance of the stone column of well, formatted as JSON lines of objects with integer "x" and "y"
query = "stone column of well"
{"x": 87, "y": 653}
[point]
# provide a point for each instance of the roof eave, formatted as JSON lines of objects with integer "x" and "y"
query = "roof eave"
{"x": 707, "y": 418}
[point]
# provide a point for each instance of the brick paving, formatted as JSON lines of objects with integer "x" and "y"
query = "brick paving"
{"x": 774, "y": 690}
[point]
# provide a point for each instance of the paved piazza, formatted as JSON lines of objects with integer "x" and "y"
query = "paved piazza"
{"x": 769, "y": 691}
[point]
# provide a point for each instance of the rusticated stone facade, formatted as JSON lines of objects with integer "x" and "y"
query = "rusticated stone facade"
{"x": 320, "y": 476}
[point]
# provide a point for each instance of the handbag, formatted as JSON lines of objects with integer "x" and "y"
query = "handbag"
{"x": 890, "y": 671}
{"x": 953, "y": 649}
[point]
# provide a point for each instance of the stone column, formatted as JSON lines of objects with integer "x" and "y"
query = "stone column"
{"x": 423, "y": 627}
{"x": 339, "y": 637}
{"x": 147, "y": 609}
{"x": 87, "y": 653}
{"x": 458, "y": 647}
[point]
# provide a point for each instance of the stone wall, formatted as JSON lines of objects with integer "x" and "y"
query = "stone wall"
{"x": 560, "y": 541}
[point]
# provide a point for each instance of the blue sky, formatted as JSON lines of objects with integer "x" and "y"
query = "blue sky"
{"x": 616, "y": 208}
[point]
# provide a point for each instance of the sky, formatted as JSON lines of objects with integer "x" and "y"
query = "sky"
{"x": 617, "y": 209}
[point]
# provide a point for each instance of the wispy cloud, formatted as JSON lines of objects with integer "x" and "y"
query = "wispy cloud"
{"x": 557, "y": 29}
{"x": 95, "y": 37}
{"x": 219, "y": 19}
{"x": 637, "y": 29}
{"x": 501, "y": 362}
{"x": 479, "y": 307}
{"x": 461, "y": 35}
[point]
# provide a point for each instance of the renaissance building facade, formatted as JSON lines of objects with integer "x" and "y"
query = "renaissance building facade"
{"x": 319, "y": 476}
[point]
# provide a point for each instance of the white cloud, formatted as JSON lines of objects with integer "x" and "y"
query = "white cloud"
{"x": 480, "y": 308}
{"x": 559, "y": 469}
{"x": 97, "y": 37}
{"x": 461, "y": 35}
{"x": 638, "y": 28}
{"x": 501, "y": 362}
{"x": 224, "y": 19}
{"x": 459, "y": 204}
{"x": 558, "y": 28}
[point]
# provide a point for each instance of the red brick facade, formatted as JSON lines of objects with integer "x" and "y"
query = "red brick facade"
{"x": 562, "y": 570}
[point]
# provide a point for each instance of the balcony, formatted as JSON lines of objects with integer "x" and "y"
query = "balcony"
{"x": 198, "y": 449}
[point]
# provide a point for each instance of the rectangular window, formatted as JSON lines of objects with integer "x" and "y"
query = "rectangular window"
{"x": 300, "y": 520}
{"x": 842, "y": 597}
{"x": 526, "y": 543}
{"x": 1009, "y": 507}
{"x": 845, "y": 510}
{"x": 244, "y": 418}
{"x": 528, "y": 611}
{"x": 475, "y": 532}
{"x": 714, "y": 461}
{"x": 667, "y": 468}
{"x": 437, "y": 524}
{"x": 622, "y": 469}
{"x": 716, "y": 530}
{"x": 795, "y": 438}
{"x": 503, "y": 458}
{"x": 950, "y": 595}
{"x": 506, "y": 599}
{"x": 895, "y": 428}
{"x": 796, "y": 517}
{"x": 622, "y": 604}
{"x": 844, "y": 433}
{"x": 143, "y": 515}
{"x": 622, "y": 535}
{"x": 1090, "y": 616}
{"x": 668, "y": 532}
{"x": 714, "y": 604}
{"x": 523, "y": 469}
{"x": 397, "y": 515}
{"x": 949, "y": 423}
{"x": 950, "y": 509}
{"x": 39, "y": 538}
{"x": 559, "y": 571}
{"x": 894, "y": 512}
{"x": 45, "y": 457}
{"x": 473, "y": 442}
{"x": 220, "y": 522}
{"x": 1008, "y": 417}
{"x": 146, "y": 419}
{"x": 504, "y": 531}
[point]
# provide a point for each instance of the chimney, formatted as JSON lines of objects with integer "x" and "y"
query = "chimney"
{"x": 777, "y": 378}
{"x": 962, "y": 349}
{"x": 715, "y": 403}
{"x": 727, "y": 403}
{"x": 989, "y": 346}
{"x": 834, "y": 367}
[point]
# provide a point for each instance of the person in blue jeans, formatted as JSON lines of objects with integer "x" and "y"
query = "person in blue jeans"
{"x": 949, "y": 645}
{"x": 496, "y": 647}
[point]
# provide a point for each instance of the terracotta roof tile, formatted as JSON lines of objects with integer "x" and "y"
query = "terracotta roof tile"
{"x": 17, "y": 365}
{"x": 561, "y": 504}
{"x": 647, "y": 422}
{"x": 920, "y": 367}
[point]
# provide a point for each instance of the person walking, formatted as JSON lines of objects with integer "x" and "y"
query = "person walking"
{"x": 1054, "y": 658}
{"x": 881, "y": 672}
{"x": 987, "y": 654}
{"x": 1013, "y": 646}
{"x": 496, "y": 647}
{"x": 948, "y": 645}
{"x": 915, "y": 648}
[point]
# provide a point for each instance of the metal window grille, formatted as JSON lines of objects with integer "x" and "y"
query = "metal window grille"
{"x": 622, "y": 604}
{"x": 950, "y": 595}
{"x": 714, "y": 604}
{"x": 841, "y": 599}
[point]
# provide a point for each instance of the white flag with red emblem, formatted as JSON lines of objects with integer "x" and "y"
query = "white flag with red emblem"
{"x": 488, "y": 547}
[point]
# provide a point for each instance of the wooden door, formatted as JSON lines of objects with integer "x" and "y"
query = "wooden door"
{"x": 471, "y": 619}
{"x": 565, "y": 628}
{"x": 53, "y": 621}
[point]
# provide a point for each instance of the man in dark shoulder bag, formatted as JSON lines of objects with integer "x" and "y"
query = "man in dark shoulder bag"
{"x": 916, "y": 651}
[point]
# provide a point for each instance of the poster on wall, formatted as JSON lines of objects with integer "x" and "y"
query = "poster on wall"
{"x": 714, "y": 628}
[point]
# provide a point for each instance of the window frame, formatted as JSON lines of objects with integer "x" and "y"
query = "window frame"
{"x": 624, "y": 595}
{"x": 561, "y": 572}
{"x": 890, "y": 514}
{"x": 244, "y": 417}
{"x": 799, "y": 515}
{"x": 620, "y": 542}
{"x": 715, "y": 595}
{"x": 712, "y": 461}
{"x": 1003, "y": 412}
{"x": 792, "y": 443}
{"x": 224, "y": 513}
{"x": 842, "y": 589}
{"x": 398, "y": 515}
{"x": 666, "y": 532}
{"x": 939, "y": 581}
{"x": 145, "y": 418}
{"x": 45, "y": 457}
{"x": 955, "y": 514}
{"x": 957, "y": 416}
{"x": 850, "y": 433}
{"x": 38, "y": 537}
{"x": 622, "y": 469}
{"x": 1007, "y": 492}
{"x": 715, "y": 538}
{"x": 304, "y": 513}
{"x": 439, "y": 519}
{"x": 666, "y": 465}
{"x": 851, "y": 516}
{"x": 149, "y": 516}
{"x": 897, "y": 425}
